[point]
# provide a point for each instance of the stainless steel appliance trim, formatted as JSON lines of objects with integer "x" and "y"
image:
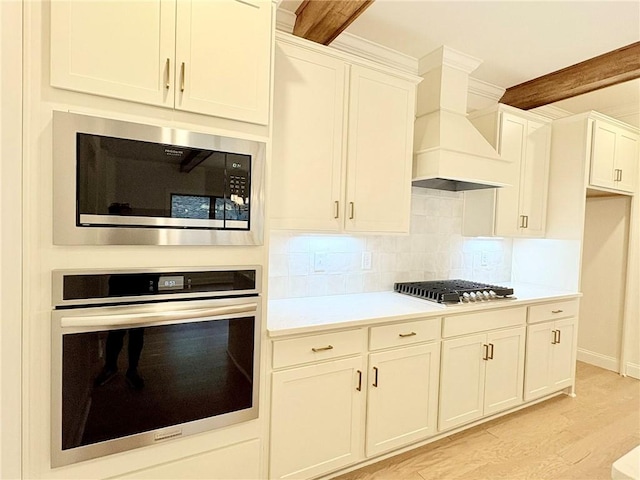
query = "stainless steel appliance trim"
{"x": 61, "y": 457}
{"x": 65, "y": 230}
{"x": 150, "y": 221}
{"x": 57, "y": 277}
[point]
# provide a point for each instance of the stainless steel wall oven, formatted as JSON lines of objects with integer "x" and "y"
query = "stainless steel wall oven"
{"x": 144, "y": 356}
{"x": 124, "y": 183}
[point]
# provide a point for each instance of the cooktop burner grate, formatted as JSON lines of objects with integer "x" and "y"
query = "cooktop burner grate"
{"x": 453, "y": 291}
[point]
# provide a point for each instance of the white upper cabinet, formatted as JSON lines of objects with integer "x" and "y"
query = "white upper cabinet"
{"x": 524, "y": 140}
{"x": 205, "y": 57}
{"x": 614, "y": 157}
{"x": 342, "y": 142}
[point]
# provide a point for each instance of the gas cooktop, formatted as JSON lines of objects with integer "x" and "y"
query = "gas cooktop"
{"x": 453, "y": 291}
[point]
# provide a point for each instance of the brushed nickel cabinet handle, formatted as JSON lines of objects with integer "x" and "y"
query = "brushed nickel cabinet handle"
{"x": 557, "y": 311}
{"x": 485, "y": 354}
{"x": 182, "y": 77}
{"x": 322, "y": 349}
{"x": 351, "y": 210}
{"x": 168, "y": 74}
{"x": 375, "y": 378}
{"x": 359, "y": 387}
{"x": 404, "y": 335}
{"x": 490, "y": 356}
{"x": 336, "y": 209}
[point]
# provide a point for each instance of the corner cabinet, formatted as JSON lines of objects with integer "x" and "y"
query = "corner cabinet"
{"x": 524, "y": 140}
{"x": 205, "y": 57}
{"x": 342, "y": 142}
{"x": 551, "y": 348}
{"x": 614, "y": 157}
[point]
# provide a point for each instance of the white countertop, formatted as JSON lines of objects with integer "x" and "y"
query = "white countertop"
{"x": 314, "y": 314}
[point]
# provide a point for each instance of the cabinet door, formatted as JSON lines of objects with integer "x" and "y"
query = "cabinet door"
{"x": 307, "y": 166}
{"x": 380, "y": 152}
{"x": 461, "y": 381}
{"x": 626, "y": 161}
{"x": 603, "y": 155}
{"x": 513, "y": 135}
{"x": 534, "y": 178}
{"x": 403, "y": 396}
{"x": 505, "y": 370}
{"x": 121, "y": 49}
{"x": 316, "y": 418}
{"x": 223, "y": 54}
{"x": 563, "y": 359}
{"x": 540, "y": 340}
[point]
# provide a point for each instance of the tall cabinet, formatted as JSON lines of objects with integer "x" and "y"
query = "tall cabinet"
{"x": 342, "y": 141}
{"x": 524, "y": 140}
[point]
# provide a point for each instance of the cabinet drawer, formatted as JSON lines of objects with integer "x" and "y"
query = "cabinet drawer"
{"x": 483, "y": 321}
{"x": 553, "y": 311}
{"x": 315, "y": 348}
{"x": 405, "y": 333}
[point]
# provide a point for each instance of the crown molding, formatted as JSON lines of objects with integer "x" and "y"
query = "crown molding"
{"x": 551, "y": 111}
{"x": 357, "y": 46}
{"x": 484, "y": 89}
{"x": 450, "y": 57}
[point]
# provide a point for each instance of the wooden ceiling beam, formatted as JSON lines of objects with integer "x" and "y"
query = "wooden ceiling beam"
{"x": 321, "y": 21}
{"x": 602, "y": 71}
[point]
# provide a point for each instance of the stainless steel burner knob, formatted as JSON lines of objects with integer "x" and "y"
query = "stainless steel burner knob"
{"x": 473, "y": 296}
{"x": 492, "y": 294}
{"x": 466, "y": 297}
{"x": 486, "y": 295}
{"x": 479, "y": 296}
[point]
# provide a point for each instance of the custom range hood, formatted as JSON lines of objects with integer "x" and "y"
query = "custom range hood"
{"x": 449, "y": 153}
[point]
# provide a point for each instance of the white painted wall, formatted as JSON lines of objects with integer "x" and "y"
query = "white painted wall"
{"x": 10, "y": 238}
{"x": 604, "y": 269}
{"x": 302, "y": 265}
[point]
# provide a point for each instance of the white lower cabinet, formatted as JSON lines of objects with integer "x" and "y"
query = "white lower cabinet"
{"x": 317, "y": 413}
{"x": 402, "y": 396}
{"x": 551, "y": 357}
{"x": 480, "y": 375}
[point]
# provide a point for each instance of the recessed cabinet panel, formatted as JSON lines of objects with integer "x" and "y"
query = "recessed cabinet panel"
{"x": 120, "y": 49}
{"x": 614, "y": 157}
{"x": 315, "y": 418}
{"x": 223, "y": 52}
{"x": 513, "y": 132}
{"x": 505, "y": 370}
{"x": 461, "y": 381}
{"x": 403, "y": 396}
{"x": 564, "y": 356}
{"x": 380, "y": 142}
{"x": 534, "y": 178}
{"x": 307, "y": 167}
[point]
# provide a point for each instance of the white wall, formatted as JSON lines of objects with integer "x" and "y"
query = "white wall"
{"x": 604, "y": 269}
{"x": 302, "y": 265}
{"x": 10, "y": 238}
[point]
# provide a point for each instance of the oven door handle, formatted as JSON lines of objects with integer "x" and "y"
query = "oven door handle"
{"x": 126, "y": 319}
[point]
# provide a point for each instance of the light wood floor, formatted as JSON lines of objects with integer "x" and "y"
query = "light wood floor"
{"x": 562, "y": 438}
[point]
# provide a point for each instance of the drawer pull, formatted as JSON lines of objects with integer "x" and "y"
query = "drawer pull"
{"x": 404, "y": 335}
{"x": 485, "y": 355}
{"x": 359, "y": 387}
{"x": 322, "y": 349}
{"x": 490, "y": 356}
{"x": 555, "y": 337}
{"x": 375, "y": 379}
{"x": 557, "y": 311}
{"x": 558, "y": 341}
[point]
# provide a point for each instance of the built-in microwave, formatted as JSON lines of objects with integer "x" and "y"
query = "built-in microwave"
{"x": 124, "y": 183}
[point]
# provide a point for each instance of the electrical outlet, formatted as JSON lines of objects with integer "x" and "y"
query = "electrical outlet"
{"x": 366, "y": 260}
{"x": 484, "y": 259}
{"x": 319, "y": 262}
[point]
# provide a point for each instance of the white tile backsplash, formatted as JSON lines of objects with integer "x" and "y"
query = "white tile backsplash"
{"x": 435, "y": 249}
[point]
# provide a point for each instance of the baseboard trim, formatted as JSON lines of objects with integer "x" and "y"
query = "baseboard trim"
{"x": 633, "y": 370}
{"x": 599, "y": 360}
